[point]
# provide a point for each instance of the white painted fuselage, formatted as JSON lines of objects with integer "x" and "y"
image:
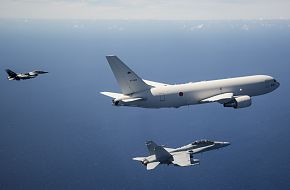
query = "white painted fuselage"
{"x": 193, "y": 93}
{"x": 231, "y": 92}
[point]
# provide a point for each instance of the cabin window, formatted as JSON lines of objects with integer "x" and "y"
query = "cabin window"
{"x": 180, "y": 93}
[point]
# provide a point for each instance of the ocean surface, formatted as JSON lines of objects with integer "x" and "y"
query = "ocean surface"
{"x": 58, "y": 132}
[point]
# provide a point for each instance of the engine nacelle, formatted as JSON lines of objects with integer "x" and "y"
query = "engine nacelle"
{"x": 239, "y": 102}
{"x": 145, "y": 162}
{"x": 116, "y": 102}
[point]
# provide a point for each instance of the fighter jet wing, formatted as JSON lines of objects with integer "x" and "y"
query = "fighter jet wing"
{"x": 181, "y": 159}
{"x": 152, "y": 165}
{"x": 220, "y": 98}
{"x": 169, "y": 149}
{"x": 11, "y": 73}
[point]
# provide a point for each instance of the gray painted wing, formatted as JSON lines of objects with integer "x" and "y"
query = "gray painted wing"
{"x": 152, "y": 165}
{"x": 181, "y": 159}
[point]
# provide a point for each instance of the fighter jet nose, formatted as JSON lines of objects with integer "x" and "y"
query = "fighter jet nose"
{"x": 226, "y": 143}
{"x": 220, "y": 144}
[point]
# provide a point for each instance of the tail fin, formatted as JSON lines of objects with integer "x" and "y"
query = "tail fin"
{"x": 11, "y": 73}
{"x": 128, "y": 81}
{"x": 160, "y": 153}
{"x": 151, "y": 147}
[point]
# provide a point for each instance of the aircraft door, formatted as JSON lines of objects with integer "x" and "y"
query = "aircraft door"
{"x": 162, "y": 98}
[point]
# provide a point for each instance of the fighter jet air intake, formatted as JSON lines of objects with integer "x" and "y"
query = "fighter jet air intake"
{"x": 231, "y": 92}
{"x": 23, "y": 76}
{"x": 182, "y": 156}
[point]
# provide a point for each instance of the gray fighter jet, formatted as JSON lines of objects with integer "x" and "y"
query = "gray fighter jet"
{"x": 23, "y": 76}
{"x": 182, "y": 156}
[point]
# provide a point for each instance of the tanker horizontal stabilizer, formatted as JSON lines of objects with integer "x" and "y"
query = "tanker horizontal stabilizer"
{"x": 132, "y": 99}
{"x": 112, "y": 94}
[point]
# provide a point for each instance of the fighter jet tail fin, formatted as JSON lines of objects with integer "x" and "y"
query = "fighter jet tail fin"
{"x": 10, "y": 73}
{"x": 157, "y": 150}
{"x": 151, "y": 147}
{"x": 127, "y": 79}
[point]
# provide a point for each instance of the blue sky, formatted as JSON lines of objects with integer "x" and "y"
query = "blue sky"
{"x": 145, "y": 9}
{"x": 58, "y": 132}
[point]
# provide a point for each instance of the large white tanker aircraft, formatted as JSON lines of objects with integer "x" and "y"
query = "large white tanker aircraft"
{"x": 231, "y": 92}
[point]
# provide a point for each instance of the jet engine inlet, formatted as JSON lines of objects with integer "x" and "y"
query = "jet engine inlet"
{"x": 239, "y": 102}
{"x": 115, "y": 103}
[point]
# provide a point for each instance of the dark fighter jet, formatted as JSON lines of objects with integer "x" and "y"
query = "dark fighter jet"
{"x": 23, "y": 76}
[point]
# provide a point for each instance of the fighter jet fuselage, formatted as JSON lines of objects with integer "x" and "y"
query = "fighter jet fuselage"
{"x": 232, "y": 92}
{"x": 182, "y": 156}
{"x": 23, "y": 76}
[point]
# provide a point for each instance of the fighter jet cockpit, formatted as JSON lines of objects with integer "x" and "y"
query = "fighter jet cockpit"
{"x": 203, "y": 142}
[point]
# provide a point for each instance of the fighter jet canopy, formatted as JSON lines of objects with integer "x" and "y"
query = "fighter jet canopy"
{"x": 203, "y": 142}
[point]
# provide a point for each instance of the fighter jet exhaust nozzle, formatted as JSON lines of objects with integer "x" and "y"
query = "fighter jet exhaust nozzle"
{"x": 115, "y": 102}
{"x": 145, "y": 162}
{"x": 194, "y": 161}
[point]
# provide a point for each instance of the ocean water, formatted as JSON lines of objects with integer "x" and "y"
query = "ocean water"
{"x": 58, "y": 132}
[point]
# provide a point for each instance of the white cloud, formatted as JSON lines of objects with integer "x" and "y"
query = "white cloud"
{"x": 197, "y": 27}
{"x": 245, "y": 27}
{"x": 145, "y": 9}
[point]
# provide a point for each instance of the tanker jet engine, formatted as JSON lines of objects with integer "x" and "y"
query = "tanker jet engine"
{"x": 231, "y": 92}
{"x": 182, "y": 156}
{"x": 23, "y": 76}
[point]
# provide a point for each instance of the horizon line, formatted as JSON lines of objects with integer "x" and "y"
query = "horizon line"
{"x": 110, "y": 19}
